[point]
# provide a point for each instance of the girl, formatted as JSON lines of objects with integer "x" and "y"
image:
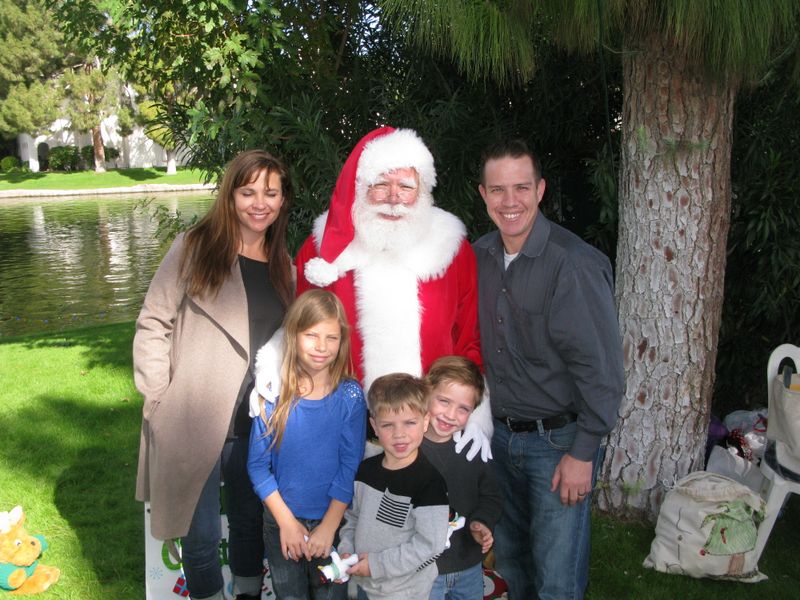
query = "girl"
{"x": 220, "y": 292}
{"x": 305, "y": 449}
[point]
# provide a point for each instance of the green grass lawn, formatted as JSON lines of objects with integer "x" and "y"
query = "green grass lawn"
{"x": 86, "y": 180}
{"x": 69, "y": 433}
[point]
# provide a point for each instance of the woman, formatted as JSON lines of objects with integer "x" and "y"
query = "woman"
{"x": 219, "y": 294}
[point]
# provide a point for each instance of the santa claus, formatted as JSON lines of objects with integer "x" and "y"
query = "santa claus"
{"x": 402, "y": 267}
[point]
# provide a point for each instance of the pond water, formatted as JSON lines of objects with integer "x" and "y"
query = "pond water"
{"x": 73, "y": 262}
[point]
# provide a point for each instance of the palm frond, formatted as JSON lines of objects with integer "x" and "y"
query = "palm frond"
{"x": 487, "y": 40}
{"x": 729, "y": 38}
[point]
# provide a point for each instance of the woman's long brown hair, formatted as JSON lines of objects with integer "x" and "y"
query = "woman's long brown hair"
{"x": 212, "y": 245}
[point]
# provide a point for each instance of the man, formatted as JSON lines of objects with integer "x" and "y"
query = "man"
{"x": 553, "y": 361}
{"x": 402, "y": 267}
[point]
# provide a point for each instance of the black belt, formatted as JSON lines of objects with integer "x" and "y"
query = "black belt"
{"x": 556, "y": 422}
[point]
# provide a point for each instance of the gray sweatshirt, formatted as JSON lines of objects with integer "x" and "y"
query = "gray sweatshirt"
{"x": 400, "y": 519}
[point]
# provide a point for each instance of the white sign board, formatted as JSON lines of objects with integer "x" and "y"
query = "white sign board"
{"x": 164, "y": 576}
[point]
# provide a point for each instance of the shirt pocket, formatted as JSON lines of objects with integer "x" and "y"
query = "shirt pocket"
{"x": 394, "y": 510}
{"x": 530, "y": 337}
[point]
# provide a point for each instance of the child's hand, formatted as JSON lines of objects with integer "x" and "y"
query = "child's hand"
{"x": 481, "y": 534}
{"x": 293, "y": 540}
{"x": 361, "y": 567}
{"x": 320, "y": 541}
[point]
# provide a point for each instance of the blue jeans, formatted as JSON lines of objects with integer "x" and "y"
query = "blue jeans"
{"x": 200, "y": 547}
{"x": 461, "y": 585}
{"x": 302, "y": 579}
{"x": 541, "y": 545}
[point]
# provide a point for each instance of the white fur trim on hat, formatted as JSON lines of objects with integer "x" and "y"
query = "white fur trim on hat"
{"x": 400, "y": 149}
{"x": 321, "y": 273}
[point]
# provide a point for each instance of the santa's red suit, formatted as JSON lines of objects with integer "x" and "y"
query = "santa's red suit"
{"x": 410, "y": 291}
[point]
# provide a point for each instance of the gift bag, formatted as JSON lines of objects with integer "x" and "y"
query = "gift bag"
{"x": 707, "y": 527}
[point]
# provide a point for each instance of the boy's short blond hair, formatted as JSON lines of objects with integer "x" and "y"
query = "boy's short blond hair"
{"x": 456, "y": 369}
{"x": 395, "y": 391}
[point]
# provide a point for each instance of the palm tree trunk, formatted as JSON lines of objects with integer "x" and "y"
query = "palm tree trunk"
{"x": 172, "y": 161}
{"x": 99, "y": 151}
{"x": 674, "y": 219}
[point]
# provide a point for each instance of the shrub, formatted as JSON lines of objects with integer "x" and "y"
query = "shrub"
{"x": 9, "y": 163}
{"x": 87, "y": 155}
{"x": 64, "y": 158}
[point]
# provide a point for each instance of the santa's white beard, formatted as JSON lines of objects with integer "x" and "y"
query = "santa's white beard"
{"x": 391, "y": 236}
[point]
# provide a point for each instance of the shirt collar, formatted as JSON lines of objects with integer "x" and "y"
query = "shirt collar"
{"x": 537, "y": 239}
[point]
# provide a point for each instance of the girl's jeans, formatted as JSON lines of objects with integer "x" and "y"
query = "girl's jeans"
{"x": 301, "y": 579}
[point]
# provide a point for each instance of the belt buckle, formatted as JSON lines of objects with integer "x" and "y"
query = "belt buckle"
{"x": 509, "y": 424}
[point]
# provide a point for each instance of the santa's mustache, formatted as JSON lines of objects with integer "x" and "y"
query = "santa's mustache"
{"x": 394, "y": 210}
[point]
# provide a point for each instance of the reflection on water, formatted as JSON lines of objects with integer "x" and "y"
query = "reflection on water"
{"x": 73, "y": 262}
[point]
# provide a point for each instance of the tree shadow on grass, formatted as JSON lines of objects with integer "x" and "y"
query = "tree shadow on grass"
{"x": 96, "y": 497}
{"x": 104, "y": 345}
{"x": 142, "y": 174}
{"x": 20, "y": 177}
{"x": 87, "y": 452}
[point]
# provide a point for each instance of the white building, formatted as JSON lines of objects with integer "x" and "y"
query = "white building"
{"x": 135, "y": 150}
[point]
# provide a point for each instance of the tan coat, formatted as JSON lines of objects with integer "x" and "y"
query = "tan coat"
{"x": 190, "y": 356}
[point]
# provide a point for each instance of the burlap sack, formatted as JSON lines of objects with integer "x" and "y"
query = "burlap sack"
{"x": 707, "y": 527}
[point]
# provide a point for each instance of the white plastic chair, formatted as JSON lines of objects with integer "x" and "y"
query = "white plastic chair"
{"x": 781, "y": 467}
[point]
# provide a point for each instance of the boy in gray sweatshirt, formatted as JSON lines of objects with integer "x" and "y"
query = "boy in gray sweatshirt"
{"x": 398, "y": 521}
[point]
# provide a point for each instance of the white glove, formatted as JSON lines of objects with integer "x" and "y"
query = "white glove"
{"x": 478, "y": 430}
{"x": 268, "y": 372}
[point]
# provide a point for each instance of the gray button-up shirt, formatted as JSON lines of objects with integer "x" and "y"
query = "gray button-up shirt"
{"x": 549, "y": 332}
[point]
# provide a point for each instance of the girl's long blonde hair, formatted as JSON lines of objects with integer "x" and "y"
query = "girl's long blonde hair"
{"x": 310, "y": 308}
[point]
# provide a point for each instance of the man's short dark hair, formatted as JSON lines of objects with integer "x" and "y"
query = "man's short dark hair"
{"x": 515, "y": 148}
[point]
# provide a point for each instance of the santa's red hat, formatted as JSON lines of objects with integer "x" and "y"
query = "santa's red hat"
{"x": 380, "y": 151}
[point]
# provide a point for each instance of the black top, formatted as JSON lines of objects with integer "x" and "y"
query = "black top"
{"x": 265, "y": 313}
{"x": 473, "y": 494}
